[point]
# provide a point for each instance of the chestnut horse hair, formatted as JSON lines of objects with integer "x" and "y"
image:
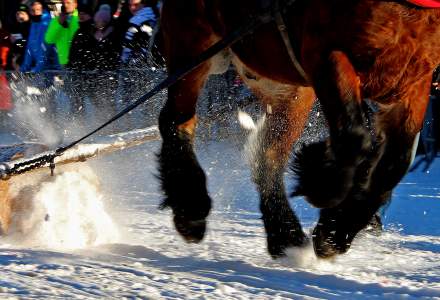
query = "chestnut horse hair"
{"x": 350, "y": 50}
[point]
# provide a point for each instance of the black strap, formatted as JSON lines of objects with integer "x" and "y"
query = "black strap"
{"x": 282, "y": 28}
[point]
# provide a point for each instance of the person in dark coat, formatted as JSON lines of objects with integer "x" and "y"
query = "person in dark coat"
{"x": 95, "y": 57}
{"x": 429, "y": 141}
{"x": 98, "y": 47}
{"x": 81, "y": 50}
{"x": 18, "y": 37}
{"x": 79, "y": 58}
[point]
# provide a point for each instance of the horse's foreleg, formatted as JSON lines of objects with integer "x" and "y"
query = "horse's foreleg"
{"x": 183, "y": 180}
{"x": 397, "y": 128}
{"x": 325, "y": 170}
{"x": 186, "y": 34}
{"x": 283, "y": 126}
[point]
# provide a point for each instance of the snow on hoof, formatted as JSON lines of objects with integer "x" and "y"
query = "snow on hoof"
{"x": 301, "y": 257}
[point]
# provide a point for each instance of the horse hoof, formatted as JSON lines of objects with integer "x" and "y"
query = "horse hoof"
{"x": 326, "y": 244}
{"x": 192, "y": 231}
{"x": 375, "y": 227}
{"x": 278, "y": 245}
{"x": 325, "y": 250}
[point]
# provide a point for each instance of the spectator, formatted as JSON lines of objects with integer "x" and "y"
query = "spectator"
{"x": 435, "y": 99}
{"x": 114, "y": 5}
{"x": 97, "y": 49}
{"x": 5, "y": 91}
{"x": 5, "y": 46}
{"x": 18, "y": 37}
{"x": 123, "y": 16}
{"x": 140, "y": 30}
{"x": 85, "y": 14}
{"x": 107, "y": 44}
{"x": 81, "y": 50}
{"x": 62, "y": 29}
{"x": 38, "y": 56}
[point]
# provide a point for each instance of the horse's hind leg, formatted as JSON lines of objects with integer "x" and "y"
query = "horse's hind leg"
{"x": 283, "y": 125}
{"x": 183, "y": 180}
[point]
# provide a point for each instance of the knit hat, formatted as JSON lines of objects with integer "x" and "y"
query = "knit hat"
{"x": 104, "y": 14}
{"x": 23, "y": 7}
{"x": 85, "y": 9}
{"x": 42, "y": 2}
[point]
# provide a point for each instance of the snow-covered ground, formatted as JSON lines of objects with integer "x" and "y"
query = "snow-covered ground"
{"x": 87, "y": 242}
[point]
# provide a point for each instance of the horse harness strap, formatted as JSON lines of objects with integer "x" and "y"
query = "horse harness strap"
{"x": 277, "y": 9}
{"x": 287, "y": 42}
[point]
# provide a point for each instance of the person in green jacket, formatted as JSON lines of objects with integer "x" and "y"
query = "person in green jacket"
{"x": 62, "y": 29}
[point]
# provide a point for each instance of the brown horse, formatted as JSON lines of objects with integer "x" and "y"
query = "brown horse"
{"x": 350, "y": 50}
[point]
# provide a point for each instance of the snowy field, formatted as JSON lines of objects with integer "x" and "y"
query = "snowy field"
{"x": 111, "y": 241}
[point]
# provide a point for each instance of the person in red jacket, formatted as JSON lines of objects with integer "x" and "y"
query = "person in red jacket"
{"x": 5, "y": 46}
{"x": 5, "y": 91}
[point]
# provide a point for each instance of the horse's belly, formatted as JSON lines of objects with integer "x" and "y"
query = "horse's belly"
{"x": 266, "y": 54}
{"x": 267, "y": 89}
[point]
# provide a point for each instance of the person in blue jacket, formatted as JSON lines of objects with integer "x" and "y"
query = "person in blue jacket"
{"x": 39, "y": 56}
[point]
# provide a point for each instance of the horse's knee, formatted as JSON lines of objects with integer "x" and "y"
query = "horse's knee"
{"x": 314, "y": 165}
{"x": 326, "y": 171}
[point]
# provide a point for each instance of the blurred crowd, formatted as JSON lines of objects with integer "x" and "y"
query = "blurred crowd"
{"x": 79, "y": 62}
{"x": 77, "y": 35}
{"x": 99, "y": 51}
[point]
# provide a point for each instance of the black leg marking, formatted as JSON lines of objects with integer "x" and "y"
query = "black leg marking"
{"x": 282, "y": 226}
{"x": 337, "y": 227}
{"x": 184, "y": 185}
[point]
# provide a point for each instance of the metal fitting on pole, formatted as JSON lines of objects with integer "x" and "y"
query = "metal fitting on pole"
{"x": 5, "y": 171}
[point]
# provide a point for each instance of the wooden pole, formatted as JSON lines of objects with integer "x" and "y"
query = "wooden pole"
{"x": 98, "y": 146}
